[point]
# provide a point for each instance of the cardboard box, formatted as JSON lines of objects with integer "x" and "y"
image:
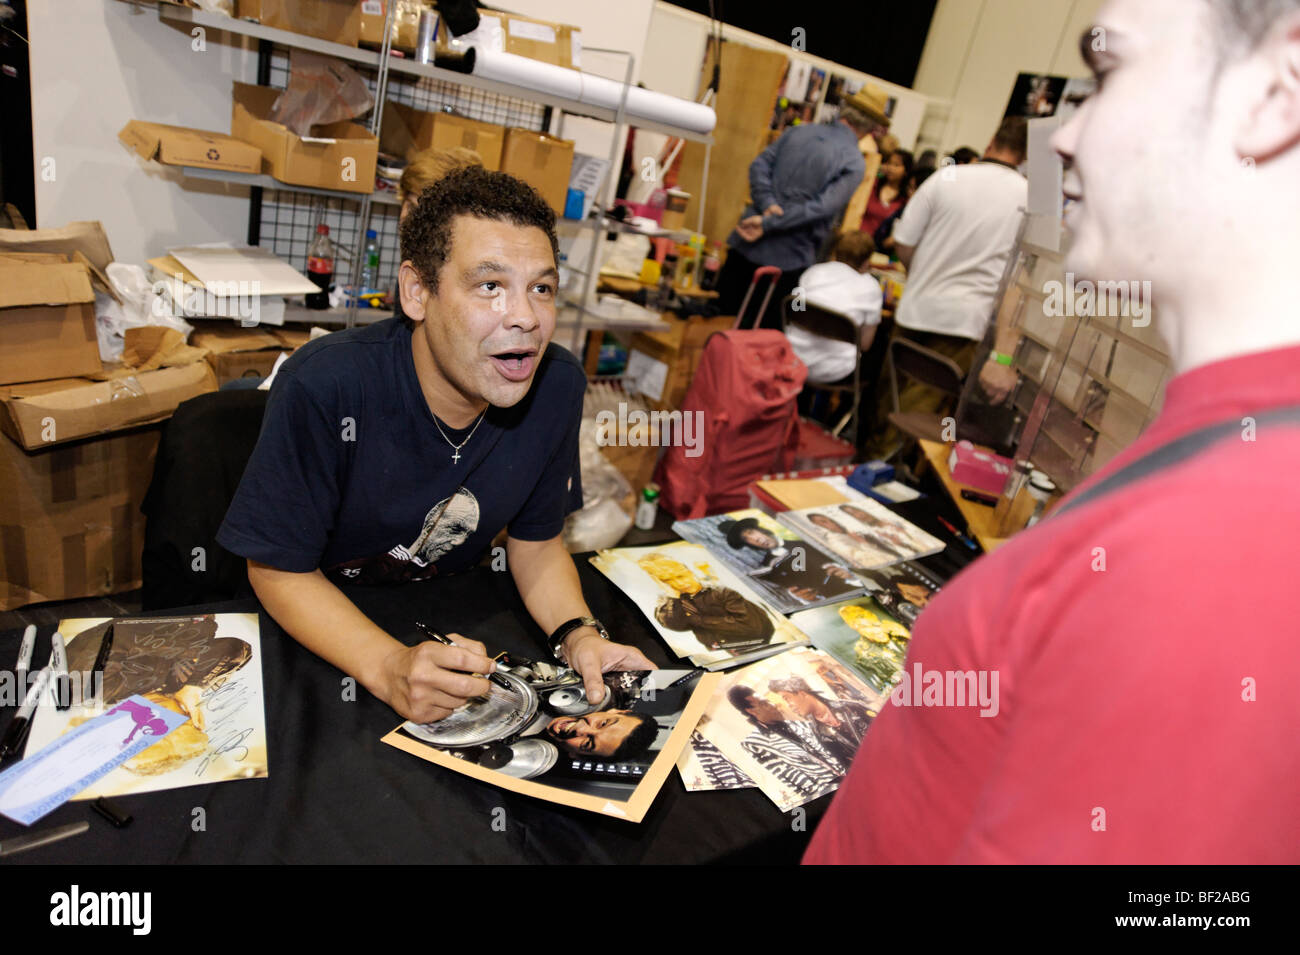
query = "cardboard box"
{"x": 406, "y": 23}
{"x": 47, "y": 318}
{"x": 336, "y": 20}
{"x": 40, "y": 414}
{"x": 556, "y": 43}
{"x": 405, "y": 131}
{"x": 542, "y": 161}
{"x": 336, "y": 156}
{"x": 88, "y": 238}
{"x": 70, "y": 521}
{"x": 679, "y": 350}
{"x": 183, "y": 146}
{"x": 235, "y": 352}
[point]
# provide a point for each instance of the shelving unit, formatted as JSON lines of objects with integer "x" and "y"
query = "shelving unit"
{"x": 1086, "y": 386}
{"x": 510, "y": 101}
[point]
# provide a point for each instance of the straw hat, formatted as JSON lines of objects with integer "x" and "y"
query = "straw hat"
{"x": 871, "y": 100}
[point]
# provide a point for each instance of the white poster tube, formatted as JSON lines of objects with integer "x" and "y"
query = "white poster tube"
{"x": 594, "y": 90}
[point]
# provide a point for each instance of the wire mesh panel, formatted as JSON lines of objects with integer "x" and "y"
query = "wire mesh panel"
{"x": 289, "y": 219}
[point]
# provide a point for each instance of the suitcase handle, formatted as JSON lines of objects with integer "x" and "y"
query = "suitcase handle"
{"x": 765, "y": 271}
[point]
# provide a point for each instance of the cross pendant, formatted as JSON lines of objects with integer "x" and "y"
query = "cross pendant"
{"x": 455, "y": 458}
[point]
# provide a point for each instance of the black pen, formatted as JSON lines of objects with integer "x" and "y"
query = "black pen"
{"x": 432, "y": 634}
{"x": 105, "y": 648}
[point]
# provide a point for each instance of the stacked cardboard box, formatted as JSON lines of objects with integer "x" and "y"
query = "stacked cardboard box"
{"x": 75, "y": 460}
{"x": 338, "y": 21}
{"x": 70, "y": 521}
{"x": 235, "y": 352}
{"x": 406, "y": 131}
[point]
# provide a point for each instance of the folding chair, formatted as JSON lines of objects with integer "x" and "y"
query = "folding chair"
{"x": 833, "y": 325}
{"x": 931, "y": 369}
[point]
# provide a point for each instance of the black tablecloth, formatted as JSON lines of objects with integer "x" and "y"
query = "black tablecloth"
{"x": 335, "y": 793}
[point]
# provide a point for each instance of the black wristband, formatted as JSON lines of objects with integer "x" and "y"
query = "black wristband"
{"x": 556, "y": 639}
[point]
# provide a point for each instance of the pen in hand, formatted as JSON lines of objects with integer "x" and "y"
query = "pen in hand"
{"x": 434, "y": 635}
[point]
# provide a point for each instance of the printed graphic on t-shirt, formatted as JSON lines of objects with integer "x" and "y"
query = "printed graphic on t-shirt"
{"x": 449, "y": 524}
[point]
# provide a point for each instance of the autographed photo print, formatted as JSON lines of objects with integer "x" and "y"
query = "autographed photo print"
{"x": 207, "y": 668}
{"x": 549, "y": 741}
{"x": 702, "y": 610}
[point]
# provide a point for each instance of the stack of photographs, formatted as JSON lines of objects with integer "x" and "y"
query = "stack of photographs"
{"x": 701, "y": 610}
{"x": 789, "y": 725}
{"x": 865, "y": 534}
{"x": 542, "y": 737}
{"x": 783, "y": 568}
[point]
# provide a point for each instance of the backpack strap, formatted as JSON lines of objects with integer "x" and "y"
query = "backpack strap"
{"x": 1176, "y": 452}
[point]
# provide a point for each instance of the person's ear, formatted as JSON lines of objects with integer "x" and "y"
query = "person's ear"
{"x": 1270, "y": 121}
{"x": 412, "y": 292}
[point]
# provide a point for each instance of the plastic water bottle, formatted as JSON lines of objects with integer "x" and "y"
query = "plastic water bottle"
{"x": 370, "y": 263}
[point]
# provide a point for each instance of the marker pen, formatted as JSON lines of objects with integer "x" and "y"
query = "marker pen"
{"x": 58, "y": 667}
{"x": 16, "y": 735}
{"x": 25, "y": 654}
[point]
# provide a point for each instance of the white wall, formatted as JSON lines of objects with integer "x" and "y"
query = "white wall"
{"x": 97, "y": 64}
{"x": 976, "y": 48}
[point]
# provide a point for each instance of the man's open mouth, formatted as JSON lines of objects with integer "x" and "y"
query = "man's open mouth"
{"x": 516, "y": 365}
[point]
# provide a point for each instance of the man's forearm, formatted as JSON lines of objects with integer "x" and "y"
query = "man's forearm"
{"x": 547, "y": 580}
{"x": 318, "y": 615}
{"x": 1007, "y": 338}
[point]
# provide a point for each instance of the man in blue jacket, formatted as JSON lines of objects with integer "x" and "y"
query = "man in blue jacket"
{"x": 798, "y": 188}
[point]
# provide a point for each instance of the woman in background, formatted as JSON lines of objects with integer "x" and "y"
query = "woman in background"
{"x": 887, "y": 197}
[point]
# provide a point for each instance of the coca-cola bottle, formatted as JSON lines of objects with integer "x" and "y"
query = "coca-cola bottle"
{"x": 320, "y": 267}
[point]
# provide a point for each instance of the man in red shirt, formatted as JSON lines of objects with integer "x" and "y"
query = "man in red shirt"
{"x": 1146, "y": 641}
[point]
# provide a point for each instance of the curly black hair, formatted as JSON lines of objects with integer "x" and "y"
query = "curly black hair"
{"x": 638, "y": 742}
{"x": 471, "y": 191}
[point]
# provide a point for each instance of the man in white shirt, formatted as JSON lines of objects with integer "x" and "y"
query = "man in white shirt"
{"x": 954, "y": 239}
{"x": 843, "y": 285}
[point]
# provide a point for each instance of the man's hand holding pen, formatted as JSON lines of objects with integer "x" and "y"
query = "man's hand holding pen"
{"x": 431, "y": 680}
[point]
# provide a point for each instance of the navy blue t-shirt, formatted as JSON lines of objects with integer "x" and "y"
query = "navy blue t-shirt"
{"x": 350, "y": 474}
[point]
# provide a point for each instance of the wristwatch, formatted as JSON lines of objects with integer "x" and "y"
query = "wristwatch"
{"x": 556, "y": 640}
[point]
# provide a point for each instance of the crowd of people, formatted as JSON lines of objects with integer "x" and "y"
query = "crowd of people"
{"x": 950, "y": 233}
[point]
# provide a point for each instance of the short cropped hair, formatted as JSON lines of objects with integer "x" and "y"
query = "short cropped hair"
{"x": 1013, "y": 136}
{"x": 853, "y": 248}
{"x": 469, "y": 191}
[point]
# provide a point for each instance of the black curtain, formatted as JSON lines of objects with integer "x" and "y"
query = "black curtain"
{"x": 883, "y": 39}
